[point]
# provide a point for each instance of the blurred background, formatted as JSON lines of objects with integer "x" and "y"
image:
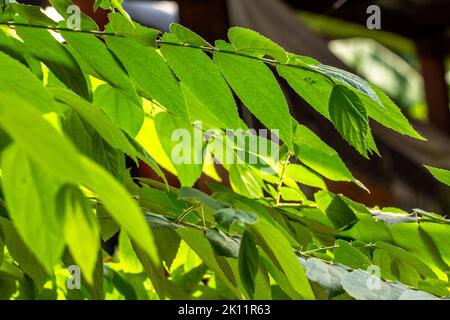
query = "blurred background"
{"x": 408, "y": 58}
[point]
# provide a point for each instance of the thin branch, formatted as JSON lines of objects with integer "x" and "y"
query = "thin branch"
{"x": 280, "y": 182}
{"x": 160, "y": 43}
{"x": 60, "y": 29}
{"x": 185, "y": 214}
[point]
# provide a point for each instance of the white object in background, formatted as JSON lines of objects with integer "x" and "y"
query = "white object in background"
{"x": 157, "y": 14}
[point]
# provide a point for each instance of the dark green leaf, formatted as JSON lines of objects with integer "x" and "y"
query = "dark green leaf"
{"x": 55, "y": 56}
{"x": 350, "y": 256}
{"x": 349, "y": 117}
{"x": 80, "y": 228}
{"x": 96, "y": 55}
{"x": 248, "y": 263}
{"x": 234, "y": 220}
{"x": 222, "y": 244}
{"x": 203, "y": 198}
{"x": 258, "y": 89}
{"x": 335, "y": 208}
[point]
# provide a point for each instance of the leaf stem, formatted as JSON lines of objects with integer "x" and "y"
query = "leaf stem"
{"x": 185, "y": 214}
{"x": 280, "y": 182}
{"x": 159, "y": 42}
{"x": 60, "y": 29}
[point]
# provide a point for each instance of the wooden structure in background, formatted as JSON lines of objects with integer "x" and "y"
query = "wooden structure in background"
{"x": 427, "y": 23}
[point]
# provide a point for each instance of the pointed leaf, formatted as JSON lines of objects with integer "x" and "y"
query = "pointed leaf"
{"x": 122, "y": 111}
{"x": 150, "y": 73}
{"x": 248, "y": 263}
{"x": 186, "y": 35}
{"x": 258, "y": 89}
{"x": 251, "y": 42}
{"x": 441, "y": 175}
{"x": 349, "y": 117}
{"x": 199, "y": 74}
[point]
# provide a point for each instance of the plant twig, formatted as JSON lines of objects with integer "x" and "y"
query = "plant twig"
{"x": 280, "y": 182}
{"x": 159, "y": 42}
{"x": 185, "y": 214}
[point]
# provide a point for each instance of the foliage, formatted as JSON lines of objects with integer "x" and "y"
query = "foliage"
{"x": 72, "y": 112}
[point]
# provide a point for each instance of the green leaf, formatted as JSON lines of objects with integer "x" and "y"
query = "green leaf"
{"x": 151, "y": 74}
{"x": 222, "y": 244}
{"x": 96, "y": 55}
{"x": 349, "y": 79}
{"x": 63, "y": 6}
{"x": 199, "y": 74}
{"x": 127, "y": 256}
{"x": 203, "y": 198}
{"x": 117, "y": 4}
{"x": 350, "y": 256}
{"x": 328, "y": 277}
{"x": 439, "y": 235}
{"x": 168, "y": 242}
{"x": 33, "y": 15}
{"x": 186, "y": 35}
{"x": 80, "y": 228}
{"x": 7, "y": 12}
{"x": 440, "y": 174}
{"x": 18, "y": 79}
{"x": 408, "y": 258}
{"x": 201, "y": 246}
{"x": 252, "y": 43}
{"x": 258, "y": 89}
{"x": 123, "y": 112}
{"x": 159, "y": 222}
{"x": 313, "y": 87}
{"x": 2, "y": 249}
{"x": 179, "y": 141}
{"x": 245, "y": 182}
{"x": 349, "y": 117}
{"x": 20, "y": 252}
{"x": 121, "y": 25}
{"x": 248, "y": 263}
{"x": 108, "y": 227}
{"x": 54, "y": 153}
{"x": 97, "y": 119}
{"x": 335, "y": 208}
{"x": 161, "y": 202}
{"x": 305, "y": 176}
{"x": 317, "y": 155}
{"x": 30, "y": 195}
{"x": 316, "y": 89}
{"x": 392, "y": 117}
{"x": 89, "y": 142}
{"x": 275, "y": 244}
{"x": 189, "y": 282}
{"x": 55, "y": 56}
{"x": 234, "y": 220}
{"x": 16, "y": 49}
